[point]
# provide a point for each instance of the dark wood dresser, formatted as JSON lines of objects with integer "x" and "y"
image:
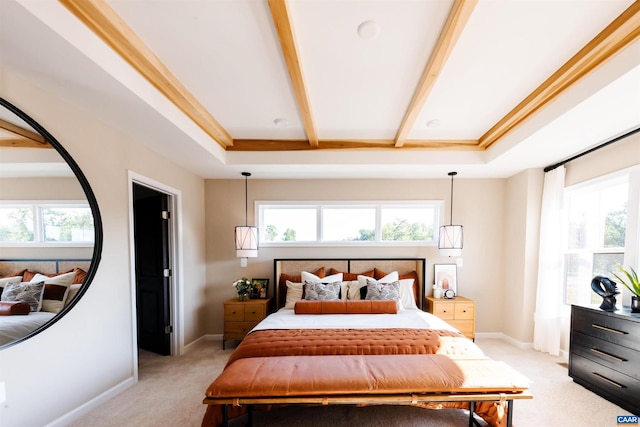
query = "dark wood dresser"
{"x": 604, "y": 354}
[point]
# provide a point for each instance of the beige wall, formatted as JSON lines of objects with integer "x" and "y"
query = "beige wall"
{"x": 522, "y": 220}
{"x": 478, "y": 206}
{"x": 90, "y": 351}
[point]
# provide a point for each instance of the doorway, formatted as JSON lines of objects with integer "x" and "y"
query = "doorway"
{"x": 153, "y": 272}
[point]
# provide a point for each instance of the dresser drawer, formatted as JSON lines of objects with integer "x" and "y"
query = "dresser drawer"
{"x": 445, "y": 310}
{"x": 464, "y": 326}
{"x": 464, "y": 311}
{"x": 620, "y": 358}
{"x": 233, "y": 312}
{"x": 603, "y": 378}
{"x": 607, "y": 328}
{"x": 237, "y": 330}
{"x": 255, "y": 312}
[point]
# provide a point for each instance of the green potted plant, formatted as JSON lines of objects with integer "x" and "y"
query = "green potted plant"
{"x": 629, "y": 278}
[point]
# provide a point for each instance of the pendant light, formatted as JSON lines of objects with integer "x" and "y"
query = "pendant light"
{"x": 450, "y": 239}
{"x": 246, "y": 236}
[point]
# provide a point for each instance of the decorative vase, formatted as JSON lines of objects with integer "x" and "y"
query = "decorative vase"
{"x": 243, "y": 297}
{"x": 635, "y": 304}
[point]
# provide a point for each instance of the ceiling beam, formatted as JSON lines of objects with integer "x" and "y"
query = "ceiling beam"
{"x": 20, "y": 137}
{"x": 98, "y": 16}
{"x": 623, "y": 31}
{"x": 453, "y": 27}
{"x": 335, "y": 144}
{"x": 282, "y": 22}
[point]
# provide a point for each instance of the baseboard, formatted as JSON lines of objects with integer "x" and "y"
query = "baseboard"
{"x": 507, "y": 338}
{"x": 87, "y": 407}
{"x": 213, "y": 337}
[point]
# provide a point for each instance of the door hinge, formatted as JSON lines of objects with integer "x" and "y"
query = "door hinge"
{"x": 166, "y": 214}
{"x": 168, "y": 329}
{"x": 166, "y": 272}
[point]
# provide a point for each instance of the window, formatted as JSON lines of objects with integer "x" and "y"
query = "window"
{"x": 45, "y": 223}
{"x": 596, "y": 232}
{"x": 348, "y": 223}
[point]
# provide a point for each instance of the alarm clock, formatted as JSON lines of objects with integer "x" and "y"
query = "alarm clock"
{"x": 449, "y": 294}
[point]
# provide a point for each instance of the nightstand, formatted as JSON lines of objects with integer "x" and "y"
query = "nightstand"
{"x": 459, "y": 312}
{"x": 241, "y": 316}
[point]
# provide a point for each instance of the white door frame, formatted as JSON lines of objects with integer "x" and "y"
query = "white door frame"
{"x": 176, "y": 263}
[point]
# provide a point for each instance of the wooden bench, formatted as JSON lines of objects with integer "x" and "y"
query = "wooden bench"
{"x": 367, "y": 379}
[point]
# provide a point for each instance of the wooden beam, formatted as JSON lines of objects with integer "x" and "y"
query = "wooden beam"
{"x": 330, "y": 144}
{"x": 106, "y": 24}
{"x": 623, "y": 31}
{"x": 20, "y": 137}
{"x": 453, "y": 27}
{"x": 282, "y": 22}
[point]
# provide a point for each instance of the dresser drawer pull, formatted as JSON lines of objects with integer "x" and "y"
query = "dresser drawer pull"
{"x": 604, "y": 328}
{"x": 602, "y": 353}
{"x": 607, "y": 380}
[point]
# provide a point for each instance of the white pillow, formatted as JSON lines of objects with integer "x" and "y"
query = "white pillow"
{"x": 49, "y": 302}
{"x": 294, "y": 294}
{"x": 407, "y": 300}
{"x": 354, "y": 288}
{"x": 7, "y": 280}
{"x": 73, "y": 290}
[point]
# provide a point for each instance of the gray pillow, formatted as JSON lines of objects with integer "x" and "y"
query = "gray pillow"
{"x": 383, "y": 291}
{"x": 28, "y": 292}
{"x": 315, "y": 291}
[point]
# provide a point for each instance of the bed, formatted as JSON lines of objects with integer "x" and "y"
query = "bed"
{"x": 61, "y": 280}
{"x": 359, "y": 350}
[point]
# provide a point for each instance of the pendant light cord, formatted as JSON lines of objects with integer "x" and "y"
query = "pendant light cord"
{"x": 451, "y": 174}
{"x": 246, "y": 198}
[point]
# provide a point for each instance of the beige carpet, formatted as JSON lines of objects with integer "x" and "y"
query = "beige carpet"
{"x": 171, "y": 389}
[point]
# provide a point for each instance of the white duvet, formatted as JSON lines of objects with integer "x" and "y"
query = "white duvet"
{"x": 17, "y": 326}
{"x": 412, "y": 319}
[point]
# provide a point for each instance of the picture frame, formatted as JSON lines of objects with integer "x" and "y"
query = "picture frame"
{"x": 446, "y": 276}
{"x": 259, "y": 288}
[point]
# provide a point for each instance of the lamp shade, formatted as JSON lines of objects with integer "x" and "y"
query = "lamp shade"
{"x": 246, "y": 241}
{"x": 450, "y": 240}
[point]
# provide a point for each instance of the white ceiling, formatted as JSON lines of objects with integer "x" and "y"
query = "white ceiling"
{"x": 228, "y": 56}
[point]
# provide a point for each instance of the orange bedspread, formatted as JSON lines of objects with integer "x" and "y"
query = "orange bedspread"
{"x": 315, "y": 342}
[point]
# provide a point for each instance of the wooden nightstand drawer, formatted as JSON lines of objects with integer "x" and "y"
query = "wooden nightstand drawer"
{"x": 445, "y": 310}
{"x": 242, "y": 316}
{"x": 233, "y": 312}
{"x": 255, "y": 312}
{"x": 459, "y": 312}
{"x": 464, "y": 310}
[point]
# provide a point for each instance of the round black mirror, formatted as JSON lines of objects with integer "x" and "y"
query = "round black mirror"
{"x": 49, "y": 218}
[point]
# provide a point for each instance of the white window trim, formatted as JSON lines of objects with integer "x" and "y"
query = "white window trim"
{"x": 37, "y": 206}
{"x": 378, "y": 204}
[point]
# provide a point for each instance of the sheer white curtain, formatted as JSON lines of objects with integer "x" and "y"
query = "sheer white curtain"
{"x": 548, "y": 314}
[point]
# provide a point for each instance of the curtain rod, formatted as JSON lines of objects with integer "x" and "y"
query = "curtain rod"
{"x": 591, "y": 150}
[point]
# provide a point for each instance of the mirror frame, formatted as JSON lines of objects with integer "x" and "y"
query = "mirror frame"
{"x": 93, "y": 204}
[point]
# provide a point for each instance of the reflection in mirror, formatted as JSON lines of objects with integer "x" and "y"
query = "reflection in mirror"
{"x": 50, "y": 228}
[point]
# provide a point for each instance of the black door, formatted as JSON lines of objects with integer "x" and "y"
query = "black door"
{"x": 151, "y": 233}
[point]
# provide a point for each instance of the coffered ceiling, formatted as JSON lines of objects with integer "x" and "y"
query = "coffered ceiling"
{"x": 331, "y": 89}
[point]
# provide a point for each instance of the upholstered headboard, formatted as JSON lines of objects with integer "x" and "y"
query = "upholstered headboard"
{"x": 43, "y": 266}
{"x": 293, "y": 267}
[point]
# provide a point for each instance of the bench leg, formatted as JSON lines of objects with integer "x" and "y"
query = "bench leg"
{"x": 225, "y": 416}
{"x": 509, "y": 413}
{"x": 472, "y": 418}
{"x": 249, "y": 416}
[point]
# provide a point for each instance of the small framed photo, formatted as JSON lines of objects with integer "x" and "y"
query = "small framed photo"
{"x": 259, "y": 288}
{"x": 445, "y": 276}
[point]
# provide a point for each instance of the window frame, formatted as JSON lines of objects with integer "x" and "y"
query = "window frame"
{"x": 631, "y": 249}
{"x": 379, "y": 205}
{"x": 37, "y": 207}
